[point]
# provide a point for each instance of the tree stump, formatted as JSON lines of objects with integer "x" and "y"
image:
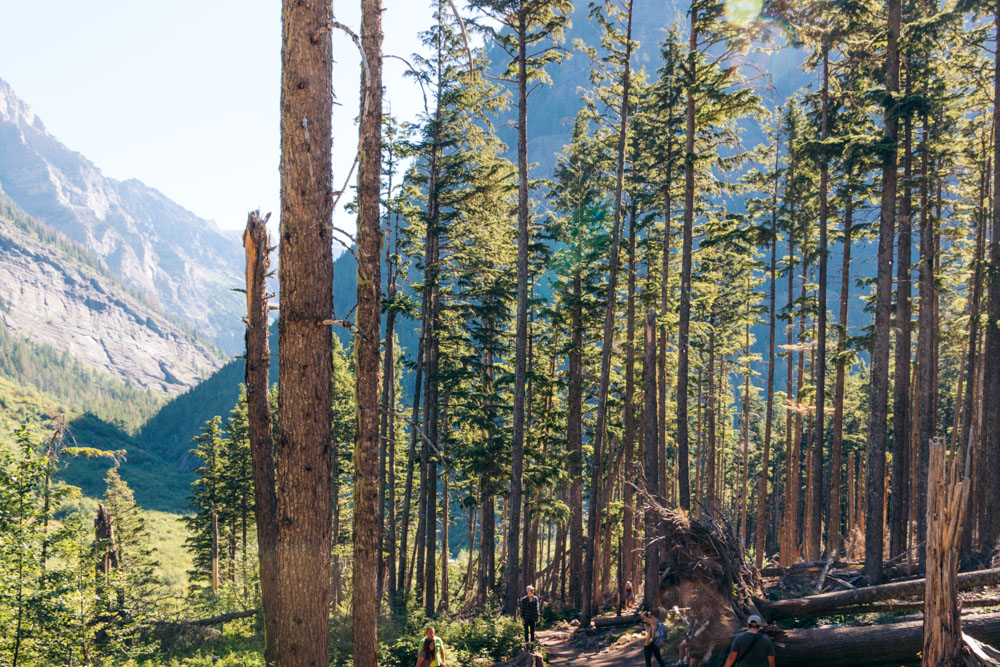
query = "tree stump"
{"x": 946, "y": 498}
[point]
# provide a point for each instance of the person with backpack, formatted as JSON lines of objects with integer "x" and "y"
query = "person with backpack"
{"x": 530, "y": 609}
{"x": 656, "y": 638}
{"x": 751, "y": 648}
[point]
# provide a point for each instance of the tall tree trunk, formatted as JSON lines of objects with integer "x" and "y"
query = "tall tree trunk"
{"x": 445, "y": 519}
{"x": 574, "y": 441}
{"x": 874, "y": 538}
{"x": 745, "y": 428}
{"x": 901, "y": 420}
{"x": 628, "y": 518}
{"x": 834, "y": 536}
{"x": 512, "y": 569}
{"x": 257, "y": 246}
{"x": 814, "y": 535}
{"x": 302, "y": 454}
{"x": 402, "y": 582}
{"x": 991, "y": 379}
{"x": 665, "y": 308}
{"x": 684, "y": 315}
{"x": 925, "y": 332}
{"x": 651, "y": 588}
{"x": 790, "y": 548}
{"x": 971, "y": 362}
{"x": 364, "y": 567}
{"x": 760, "y": 545}
{"x": 710, "y": 460}
{"x": 594, "y": 504}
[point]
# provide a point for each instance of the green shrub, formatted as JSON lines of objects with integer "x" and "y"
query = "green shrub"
{"x": 494, "y": 637}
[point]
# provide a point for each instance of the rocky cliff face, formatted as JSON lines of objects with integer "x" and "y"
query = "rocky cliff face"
{"x": 148, "y": 241}
{"x": 53, "y": 293}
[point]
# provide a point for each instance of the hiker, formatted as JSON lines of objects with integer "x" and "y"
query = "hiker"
{"x": 629, "y": 596}
{"x": 426, "y": 654}
{"x": 530, "y": 609}
{"x": 431, "y": 650}
{"x": 656, "y": 638}
{"x": 751, "y": 648}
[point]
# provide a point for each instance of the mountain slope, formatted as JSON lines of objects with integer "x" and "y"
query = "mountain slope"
{"x": 148, "y": 241}
{"x": 55, "y": 294}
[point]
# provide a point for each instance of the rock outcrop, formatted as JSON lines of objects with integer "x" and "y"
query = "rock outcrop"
{"x": 52, "y": 293}
{"x": 148, "y": 241}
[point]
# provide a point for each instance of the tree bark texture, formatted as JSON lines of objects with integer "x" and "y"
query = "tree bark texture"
{"x": 302, "y": 456}
{"x": 512, "y": 570}
{"x": 365, "y": 570}
{"x": 589, "y": 565}
{"x": 901, "y": 421}
{"x": 651, "y": 586}
{"x": 687, "y": 236}
{"x": 257, "y": 248}
{"x": 877, "y": 434}
{"x": 946, "y": 495}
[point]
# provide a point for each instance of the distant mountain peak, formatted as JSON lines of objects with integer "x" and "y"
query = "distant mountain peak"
{"x": 14, "y": 110}
{"x": 149, "y": 242}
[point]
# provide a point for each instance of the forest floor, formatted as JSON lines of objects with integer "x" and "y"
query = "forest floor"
{"x": 564, "y": 645}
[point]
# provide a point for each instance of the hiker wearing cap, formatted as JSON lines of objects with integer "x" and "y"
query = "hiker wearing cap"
{"x": 751, "y": 648}
{"x": 530, "y": 609}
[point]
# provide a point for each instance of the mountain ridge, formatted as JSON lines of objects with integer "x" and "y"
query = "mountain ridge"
{"x": 148, "y": 241}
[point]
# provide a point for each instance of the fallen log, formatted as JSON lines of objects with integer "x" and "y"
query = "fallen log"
{"x": 817, "y": 605}
{"x": 612, "y": 621}
{"x": 895, "y": 643}
{"x": 913, "y": 606}
{"x": 814, "y": 566}
{"x": 225, "y": 618}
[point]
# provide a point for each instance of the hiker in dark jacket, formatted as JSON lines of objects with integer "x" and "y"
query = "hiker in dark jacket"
{"x": 530, "y": 609}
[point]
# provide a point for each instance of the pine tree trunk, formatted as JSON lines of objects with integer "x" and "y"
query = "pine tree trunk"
{"x": 745, "y": 428}
{"x": 991, "y": 379}
{"x": 364, "y": 566}
{"x": 574, "y": 441}
{"x": 901, "y": 420}
{"x": 834, "y": 535}
{"x": 302, "y": 454}
{"x": 386, "y": 460}
{"x": 595, "y": 501}
{"x": 710, "y": 460}
{"x": 971, "y": 361}
{"x": 402, "y": 580}
{"x": 814, "y": 537}
{"x": 257, "y": 247}
{"x": 684, "y": 315}
{"x": 790, "y": 546}
{"x": 877, "y": 436}
{"x": 664, "y": 309}
{"x": 926, "y": 331}
{"x": 760, "y": 544}
{"x": 651, "y": 588}
{"x": 628, "y": 518}
{"x": 512, "y": 570}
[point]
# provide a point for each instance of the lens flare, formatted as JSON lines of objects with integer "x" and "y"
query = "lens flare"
{"x": 743, "y": 12}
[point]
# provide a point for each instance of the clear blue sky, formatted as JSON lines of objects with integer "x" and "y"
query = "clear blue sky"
{"x": 183, "y": 94}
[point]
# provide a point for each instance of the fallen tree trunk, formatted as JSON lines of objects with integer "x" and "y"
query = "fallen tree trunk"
{"x": 896, "y": 643}
{"x": 612, "y": 621}
{"x": 915, "y": 606}
{"x": 817, "y": 605}
{"x": 814, "y": 566}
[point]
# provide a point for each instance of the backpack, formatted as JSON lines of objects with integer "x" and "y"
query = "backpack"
{"x": 660, "y": 635}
